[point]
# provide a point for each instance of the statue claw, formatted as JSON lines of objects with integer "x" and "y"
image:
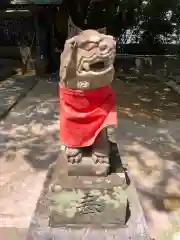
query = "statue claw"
{"x": 100, "y": 159}
{"x": 74, "y": 155}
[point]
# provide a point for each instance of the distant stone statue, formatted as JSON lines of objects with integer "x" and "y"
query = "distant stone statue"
{"x": 87, "y": 101}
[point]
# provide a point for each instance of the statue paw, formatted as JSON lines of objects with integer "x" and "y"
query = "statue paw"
{"x": 74, "y": 155}
{"x": 75, "y": 159}
{"x": 100, "y": 158}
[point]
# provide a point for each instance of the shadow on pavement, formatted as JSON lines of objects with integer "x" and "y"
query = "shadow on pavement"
{"x": 148, "y": 137}
{"x": 149, "y": 141}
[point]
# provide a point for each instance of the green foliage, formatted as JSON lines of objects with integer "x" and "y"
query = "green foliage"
{"x": 154, "y": 19}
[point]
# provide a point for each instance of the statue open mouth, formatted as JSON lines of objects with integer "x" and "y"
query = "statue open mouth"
{"x": 96, "y": 67}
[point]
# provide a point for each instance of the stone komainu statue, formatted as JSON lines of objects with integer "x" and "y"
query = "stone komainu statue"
{"x": 87, "y": 101}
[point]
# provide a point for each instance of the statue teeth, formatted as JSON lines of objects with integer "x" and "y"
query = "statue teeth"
{"x": 86, "y": 66}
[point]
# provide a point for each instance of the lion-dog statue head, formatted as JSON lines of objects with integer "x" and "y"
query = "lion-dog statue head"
{"x": 87, "y": 61}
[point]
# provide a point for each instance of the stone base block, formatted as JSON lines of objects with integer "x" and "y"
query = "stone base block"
{"x": 79, "y": 202}
{"x": 88, "y": 168}
{"x": 87, "y": 207}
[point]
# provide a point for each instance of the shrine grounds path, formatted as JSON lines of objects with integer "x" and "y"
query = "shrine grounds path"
{"x": 148, "y": 138}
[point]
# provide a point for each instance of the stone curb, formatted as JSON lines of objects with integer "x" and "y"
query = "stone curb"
{"x": 170, "y": 82}
{"x": 174, "y": 85}
{"x": 12, "y": 91}
{"x": 6, "y": 73}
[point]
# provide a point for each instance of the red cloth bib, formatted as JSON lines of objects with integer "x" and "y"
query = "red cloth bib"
{"x": 83, "y": 114}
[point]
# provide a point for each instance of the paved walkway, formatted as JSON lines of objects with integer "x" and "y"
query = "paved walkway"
{"x": 149, "y": 141}
{"x": 148, "y": 136}
{"x": 29, "y": 142}
{"x": 8, "y": 67}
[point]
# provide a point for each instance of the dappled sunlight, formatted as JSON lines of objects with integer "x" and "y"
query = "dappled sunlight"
{"x": 152, "y": 154}
{"x": 29, "y": 143}
{"x": 148, "y": 137}
{"x": 30, "y": 134}
{"x": 157, "y": 181}
{"x": 8, "y": 68}
{"x": 34, "y": 138}
{"x": 149, "y": 141}
{"x": 146, "y": 100}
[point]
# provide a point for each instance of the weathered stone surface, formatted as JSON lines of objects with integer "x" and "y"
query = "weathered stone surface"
{"x": 87, "y": 65}
{"x": 40, "y": 225}
{"x": 71, "y": 182}
{"x": 29, "y": 142}
{"x": 108, "y": 200}
{"x": 88, "y": 207}
{"x": 88, "y": 168}
{"x": 87, "y": 61}
{"x": 82, "y": 206}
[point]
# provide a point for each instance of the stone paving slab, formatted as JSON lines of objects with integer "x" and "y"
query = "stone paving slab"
{"x": 153, "y": 159}
{"x": 29, "y": 143}
{"x": 5, "y": 72}
{"x": 12, "y": 90}
{"x": 8, "y": 68}
{"x": 174, "y": 85}
{"x": 12, "y": 233}
{"x": 149, "y": 142}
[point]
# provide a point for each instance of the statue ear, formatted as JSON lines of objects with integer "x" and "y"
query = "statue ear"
{"x": 71, "y": 43}
{"x": 102, "y": 30}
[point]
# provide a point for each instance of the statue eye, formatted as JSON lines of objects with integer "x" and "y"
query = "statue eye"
{"x": 89, "y": 46}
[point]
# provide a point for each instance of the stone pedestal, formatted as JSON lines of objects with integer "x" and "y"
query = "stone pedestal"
{"x": 87, "y": 207}
{"x": 87, "y": 193}
{"x": 84, "y": 202}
